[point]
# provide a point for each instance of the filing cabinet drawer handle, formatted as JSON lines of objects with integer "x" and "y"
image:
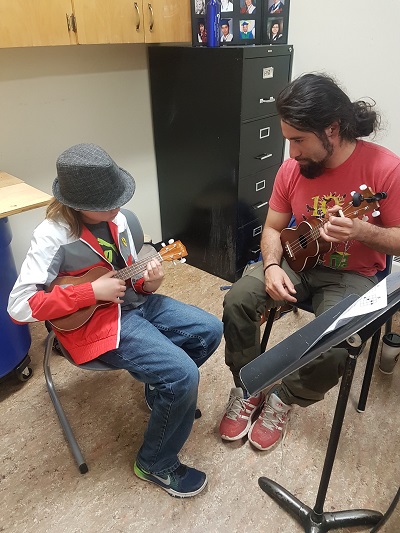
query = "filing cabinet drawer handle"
{"x": 259, "y": 206}
{"x": 270, "y": 100}
{"x": 261, "y": 157}
{"x": 257, "y": 231}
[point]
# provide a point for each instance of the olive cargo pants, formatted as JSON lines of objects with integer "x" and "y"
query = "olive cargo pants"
{"x": 247, "y": 300}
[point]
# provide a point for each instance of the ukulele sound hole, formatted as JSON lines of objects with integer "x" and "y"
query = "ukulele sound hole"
{"x": 303, "y": 241}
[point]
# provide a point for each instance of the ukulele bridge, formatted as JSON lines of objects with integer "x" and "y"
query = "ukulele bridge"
{"x": 288, "y": 250}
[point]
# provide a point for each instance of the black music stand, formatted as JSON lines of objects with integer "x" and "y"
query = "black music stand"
{"x": 293, "y": 353}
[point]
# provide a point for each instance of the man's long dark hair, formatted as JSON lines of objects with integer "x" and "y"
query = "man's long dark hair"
{"x": 313, "y": 102}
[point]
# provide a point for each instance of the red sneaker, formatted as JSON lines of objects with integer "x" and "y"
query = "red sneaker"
{"x": 237, "y": 419}
{"x": 270, "y": 426}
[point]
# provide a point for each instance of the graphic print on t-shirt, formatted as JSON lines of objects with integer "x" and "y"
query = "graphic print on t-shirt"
{"x": 108, "y": 248}
{"x": 338, "y": 257}
{"x": 103, "y": 235}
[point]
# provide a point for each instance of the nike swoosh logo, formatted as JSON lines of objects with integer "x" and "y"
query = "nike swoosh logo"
{"x": 166, "y": 481}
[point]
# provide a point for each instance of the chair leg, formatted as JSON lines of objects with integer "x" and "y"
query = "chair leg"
{"x": 369, "y": 370}
{"x": 76, "y": 452}
{"x": 267, "y": 330}
{"x": 388, "y": 325}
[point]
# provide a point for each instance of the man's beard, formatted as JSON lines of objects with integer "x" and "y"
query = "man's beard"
{"x": 313, "y": 169}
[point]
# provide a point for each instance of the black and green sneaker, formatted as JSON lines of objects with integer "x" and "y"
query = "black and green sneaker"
{"x": 183, "y": 482}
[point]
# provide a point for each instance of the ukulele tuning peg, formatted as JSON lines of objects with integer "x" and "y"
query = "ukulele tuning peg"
{"x": 363, "y": 187}
{"x": 365, "y": 218}
{"x": 376, "y": 213}
{"x": 357, "y": 199}
{"x": 171, "y": 241}
{"x": 352, "y": 193}
{"x": 163, "y": 244}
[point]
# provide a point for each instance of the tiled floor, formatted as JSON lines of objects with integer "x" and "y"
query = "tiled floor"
{"x": 41, "y": 489}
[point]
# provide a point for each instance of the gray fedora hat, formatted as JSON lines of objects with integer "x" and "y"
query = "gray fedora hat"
{"x": 89, "y": 180}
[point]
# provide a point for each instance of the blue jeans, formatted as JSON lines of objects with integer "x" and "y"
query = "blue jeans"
{"x": 163, "y": 342}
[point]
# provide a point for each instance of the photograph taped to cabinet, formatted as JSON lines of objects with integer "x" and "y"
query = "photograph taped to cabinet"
{"x": 243, "y": 22}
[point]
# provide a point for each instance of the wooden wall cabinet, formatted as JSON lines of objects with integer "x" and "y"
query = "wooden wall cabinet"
{"x": 167, "y": 21}
{"x": 218, "y": 144}
{"x": 63, "y": 22}
{"x": 34, "y": 23}
{"x": 129, "y": 21}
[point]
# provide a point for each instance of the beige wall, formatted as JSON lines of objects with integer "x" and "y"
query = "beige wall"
{"x": 358, "y": 43}
{"x": 51, "y": 98}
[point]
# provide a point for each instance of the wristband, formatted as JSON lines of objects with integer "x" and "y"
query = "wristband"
{"x": 271, "y": 265}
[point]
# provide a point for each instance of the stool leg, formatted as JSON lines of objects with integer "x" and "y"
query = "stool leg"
{"x": 368, "y": 371}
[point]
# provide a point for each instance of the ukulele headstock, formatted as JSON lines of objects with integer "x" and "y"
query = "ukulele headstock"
{"x": 365, "y": 201}
{"x": 173, "y": 251}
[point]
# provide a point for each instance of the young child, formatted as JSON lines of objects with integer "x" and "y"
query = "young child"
{"x": 160, "y": 341}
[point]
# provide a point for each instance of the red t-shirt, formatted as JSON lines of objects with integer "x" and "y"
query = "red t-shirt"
{"x": 369, "y": 164}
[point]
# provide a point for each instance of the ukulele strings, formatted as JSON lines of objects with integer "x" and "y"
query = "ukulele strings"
{"x": 136, "y": 268}
{"x": 314, "y": 231}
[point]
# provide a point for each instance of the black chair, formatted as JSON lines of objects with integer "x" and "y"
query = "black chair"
{"x": 373, "y": 350}
{"x": 94, "y": 365}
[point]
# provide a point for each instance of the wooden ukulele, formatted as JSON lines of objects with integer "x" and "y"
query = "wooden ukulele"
{"x": 175, "y": 251}
{"x": 303, "y": 247}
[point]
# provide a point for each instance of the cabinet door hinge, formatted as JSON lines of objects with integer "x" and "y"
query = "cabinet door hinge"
{"x": 71, "y": 22}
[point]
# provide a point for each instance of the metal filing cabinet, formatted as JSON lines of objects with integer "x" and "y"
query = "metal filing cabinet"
{"x": 218, "y": 145}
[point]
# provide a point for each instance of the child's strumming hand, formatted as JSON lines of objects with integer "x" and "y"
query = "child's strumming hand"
{"x": 108, "y": 288}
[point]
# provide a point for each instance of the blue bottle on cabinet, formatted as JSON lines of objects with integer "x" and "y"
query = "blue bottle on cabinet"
{"x": 213, "y": 14}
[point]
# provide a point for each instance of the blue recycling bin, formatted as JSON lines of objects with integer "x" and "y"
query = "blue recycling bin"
{"x": 15, "y": 340}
